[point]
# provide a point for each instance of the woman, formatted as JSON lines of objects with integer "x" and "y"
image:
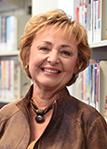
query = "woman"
{"x": 53, "y": 50}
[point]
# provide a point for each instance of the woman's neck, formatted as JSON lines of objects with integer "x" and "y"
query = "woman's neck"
{"x": 43, "y": 98}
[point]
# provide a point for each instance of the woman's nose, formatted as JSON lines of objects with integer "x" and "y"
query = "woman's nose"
{"x": 53, "y": 58}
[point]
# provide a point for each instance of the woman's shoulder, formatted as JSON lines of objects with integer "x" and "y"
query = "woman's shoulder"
{"x": 81, "y": 106}
{"x": 9, "y": 110}
{"x": 83, "y": 110}
{"x": 75, "y": 107}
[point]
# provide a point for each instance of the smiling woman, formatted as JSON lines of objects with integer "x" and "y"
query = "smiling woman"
{"x": 53, "y": 51}
{"x": 52, "y": 55}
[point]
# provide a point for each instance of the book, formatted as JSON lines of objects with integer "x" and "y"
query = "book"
{"x": 12, "y": 27}
{"x": 9, "y": 79}
{"x": 11, "y": 33}
{"x": 103, "y": 88}
{"x": 87, "y": 86}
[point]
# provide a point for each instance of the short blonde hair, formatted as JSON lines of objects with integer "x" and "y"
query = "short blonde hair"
{"x": 59, "y": 19}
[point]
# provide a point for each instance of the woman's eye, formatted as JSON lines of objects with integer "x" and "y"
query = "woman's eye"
{"x": 66, "y": 53}
{"x": 44, "y": 49}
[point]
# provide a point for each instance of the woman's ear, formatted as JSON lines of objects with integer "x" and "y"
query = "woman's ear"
{"x": 27, "y": 57}
{"x": 76, "y": 69}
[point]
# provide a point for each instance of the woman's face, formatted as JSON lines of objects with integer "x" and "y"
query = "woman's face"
{"x": 52, "y": 60}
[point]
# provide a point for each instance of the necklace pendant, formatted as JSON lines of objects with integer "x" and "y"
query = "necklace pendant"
{"x": 40, "y": 113}
{"x": 39, "y": 118}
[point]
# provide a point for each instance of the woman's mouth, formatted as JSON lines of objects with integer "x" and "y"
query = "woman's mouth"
{"x": 51, "y": 70}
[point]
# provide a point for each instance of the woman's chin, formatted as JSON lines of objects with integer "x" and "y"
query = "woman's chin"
{"x": 48, "y": 85}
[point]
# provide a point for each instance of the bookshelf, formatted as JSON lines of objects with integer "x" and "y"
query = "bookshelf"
{"x": 99, "y": 52}
{"x": 13, "y": 16}
{"x": 9, "y": 53}
{"x": 13, "y": 81}
{"x": 91, "y": 14}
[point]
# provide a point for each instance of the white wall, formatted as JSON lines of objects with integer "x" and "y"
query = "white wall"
{"x": 67, "y": 6}
{"x": 39, "y": 6}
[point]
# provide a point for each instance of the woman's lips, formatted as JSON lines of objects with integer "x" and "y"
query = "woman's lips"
{"x": 51, "y": 70}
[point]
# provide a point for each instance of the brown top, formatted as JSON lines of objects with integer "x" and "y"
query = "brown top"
{"x": 73, "y": 125}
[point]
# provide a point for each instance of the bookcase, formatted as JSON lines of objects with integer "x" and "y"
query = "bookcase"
{"x": 13, "y": 81}
{"x": 92, "y": 15}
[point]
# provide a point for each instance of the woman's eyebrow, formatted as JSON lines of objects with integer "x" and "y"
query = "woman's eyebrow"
{"x": 47, "y": 42}
{"x": 62, "y": 45}
{"x": 65, "y": 46}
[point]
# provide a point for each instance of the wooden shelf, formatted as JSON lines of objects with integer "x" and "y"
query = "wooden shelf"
{"x": 9, "y": 53}
{"x": 102, "y": 43}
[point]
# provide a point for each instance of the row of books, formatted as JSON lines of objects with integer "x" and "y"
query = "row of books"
{"x": 9, "y": 79}
{"x": 88, "y": 13}
{"x": 91, "y": 86}
{"x": 8, "y": 33}
{"x": 11, "y": 29}
{"x": 13, "y": 81}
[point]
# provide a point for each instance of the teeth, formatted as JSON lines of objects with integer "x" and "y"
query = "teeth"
{"x": 51, "y": 71}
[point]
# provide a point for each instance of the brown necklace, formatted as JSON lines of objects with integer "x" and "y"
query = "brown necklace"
{"x": 40, "y": 112}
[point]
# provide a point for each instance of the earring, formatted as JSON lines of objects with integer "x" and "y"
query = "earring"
{"x": 26, "y": 66}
